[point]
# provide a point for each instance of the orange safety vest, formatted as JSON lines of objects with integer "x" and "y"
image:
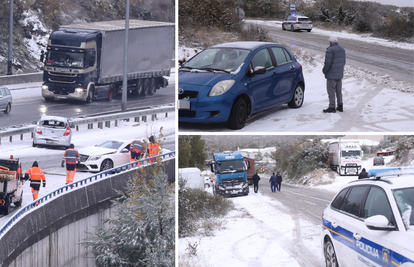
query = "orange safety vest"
{"x": 153, "y": 149}
{"x": 36, "y": 175}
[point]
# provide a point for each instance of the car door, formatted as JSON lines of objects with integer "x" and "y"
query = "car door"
{"x": 286, "y": 71}
{"x": 262, "y": 86}
{"x": 3, "y": 100}
{"x": 345, "y": 224}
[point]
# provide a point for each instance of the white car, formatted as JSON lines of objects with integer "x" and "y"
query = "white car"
{"x": 296, "y": 23}
{"x": 370, "y": 222}
{"x": 208, "y": 182}
{"x": 52, "y": 131}
{"x": 104, "y": 156}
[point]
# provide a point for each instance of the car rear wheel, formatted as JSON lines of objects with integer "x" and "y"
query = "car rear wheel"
{"x": 330, "y": 255}
{"x": 8, "y": 109}
{"x": 297, "y": 98}
{"x": 107, "y": 164}
{"x": 292, "y": 28}
{"x": 309, "y": 30}
{"x": 238, "y": 115}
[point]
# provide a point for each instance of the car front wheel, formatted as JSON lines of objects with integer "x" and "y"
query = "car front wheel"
{"x": 238, "y": 115}
{"x": 330, "y": 255}
{"x": 107, "y": 164}
{"x": 297, "y": 98}
{"x": 8, "y": 109}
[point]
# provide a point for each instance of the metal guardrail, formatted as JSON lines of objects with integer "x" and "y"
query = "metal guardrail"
{"x": 77, "y": 184}
{"x": 102, "y": 120}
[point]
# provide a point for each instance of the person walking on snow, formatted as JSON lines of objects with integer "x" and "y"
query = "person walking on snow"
{"x": 256, "y": 180}
{"x": 334, "y": 72}
{"x": 272, "y": 182}
{"x": 278, "y": 181}
{"x": 71, "y": 157}
{"x": 36, "y": 176}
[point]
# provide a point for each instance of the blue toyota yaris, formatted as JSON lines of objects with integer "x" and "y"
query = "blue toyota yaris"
{"x": 229, "y": 82}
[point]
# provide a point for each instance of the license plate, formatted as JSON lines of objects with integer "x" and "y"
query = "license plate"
{"x": 183, "y": 104}
{"x": 61, "y": 97}
{"x": 50, "y": 142}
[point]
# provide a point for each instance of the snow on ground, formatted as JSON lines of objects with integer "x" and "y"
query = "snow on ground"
{"x": 372, "y": 102}
{"x": 56, "y": 177}
{"x": 260, "y": 232}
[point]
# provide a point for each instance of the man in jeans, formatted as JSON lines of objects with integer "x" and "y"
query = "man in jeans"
{"x": 334, "y": 72}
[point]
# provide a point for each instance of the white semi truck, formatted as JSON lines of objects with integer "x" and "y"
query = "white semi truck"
{"x": 345, "y": 157}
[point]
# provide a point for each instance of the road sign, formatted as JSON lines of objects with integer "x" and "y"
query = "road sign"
{"x": 292, "y": 7}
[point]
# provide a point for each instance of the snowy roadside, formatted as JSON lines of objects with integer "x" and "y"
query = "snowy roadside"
{"x": 372, "y": 103}
{"x": 260, "y": 231}
{"x": 56, "y": 176}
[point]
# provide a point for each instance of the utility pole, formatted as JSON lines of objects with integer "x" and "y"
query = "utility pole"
{"x": 125, "y": 82}
{"x": 9, "y": 60}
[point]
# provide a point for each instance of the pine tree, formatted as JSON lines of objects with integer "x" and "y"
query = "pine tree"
{"x": 143, "y": 233}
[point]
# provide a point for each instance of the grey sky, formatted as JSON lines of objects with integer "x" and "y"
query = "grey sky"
{"x": 401, "y": 3}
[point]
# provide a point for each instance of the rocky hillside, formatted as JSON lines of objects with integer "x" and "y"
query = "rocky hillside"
{"x": 34, "y": 20}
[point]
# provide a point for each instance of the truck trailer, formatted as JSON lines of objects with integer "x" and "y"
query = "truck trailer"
{"x": 86, "y": 61}
{"x": 345, "y": 157}
{"x": 11, "y": 179}
{"x": 251, "y": 170}
{"x": 230, "y": 170}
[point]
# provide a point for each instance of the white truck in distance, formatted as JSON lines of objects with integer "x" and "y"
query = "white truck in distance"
{"x": 345, "y": 157}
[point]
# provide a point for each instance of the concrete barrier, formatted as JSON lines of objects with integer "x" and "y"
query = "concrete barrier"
{"x": 35, "y": 239}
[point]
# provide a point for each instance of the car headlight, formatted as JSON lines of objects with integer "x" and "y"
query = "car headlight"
{"x": 221, "y": 87}
{"x": 221, "y": 187}
{"x": 45, "y": 87}
{"x": 79, "y": 90}
{"x": 93, "y": 158}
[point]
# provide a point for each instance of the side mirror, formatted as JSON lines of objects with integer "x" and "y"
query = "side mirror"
{"x": 125, "y": 150}
{"x": 378, "y": 222}
{"x": 259, "y": 70}
{"x": 72, "y": 126}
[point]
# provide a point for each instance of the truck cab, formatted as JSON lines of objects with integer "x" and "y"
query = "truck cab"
{"x": 230, "y": 170}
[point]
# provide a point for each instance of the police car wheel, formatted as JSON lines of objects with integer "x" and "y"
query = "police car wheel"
{"x": 330, "y": 255}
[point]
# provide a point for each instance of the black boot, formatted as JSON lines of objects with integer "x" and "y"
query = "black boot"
{"x": 340, "y": 108}
{"x": 329, "y": 110}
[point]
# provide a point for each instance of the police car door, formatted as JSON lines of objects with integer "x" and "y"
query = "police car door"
{"x": 376, "y": 247}
{"x": 344, "y": 225}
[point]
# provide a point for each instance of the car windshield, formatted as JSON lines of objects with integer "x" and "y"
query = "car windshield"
{"x": 405, "y": 201}
{"x": 230, "y": 166}
{"x": 111, "y": 144}
{"x": 303, "y": 19}
{"x": 53, "y": 124}
{"x": 351, "y": 153}
{"x": 218, "y": 59}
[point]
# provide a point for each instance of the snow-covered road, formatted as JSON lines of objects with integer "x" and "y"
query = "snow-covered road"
{"x": 261, "y": 231}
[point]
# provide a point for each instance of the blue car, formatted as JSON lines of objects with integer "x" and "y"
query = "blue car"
{"x": 229, "y": 82}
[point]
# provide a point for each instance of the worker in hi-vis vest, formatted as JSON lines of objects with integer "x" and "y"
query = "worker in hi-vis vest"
{"x": 36, "y": 176}
{"x": 71, "y": 157}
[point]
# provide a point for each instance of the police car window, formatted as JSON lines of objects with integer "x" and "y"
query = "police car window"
{"x": 377, "y": 204}
{"x": 262, "y": 59}
{"x": 405, "y": 201}
{"x": 339, "y": 198}
{"x": 353, "y": 200}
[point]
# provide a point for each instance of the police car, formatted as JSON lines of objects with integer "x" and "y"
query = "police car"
{"x": 370, "y": 222}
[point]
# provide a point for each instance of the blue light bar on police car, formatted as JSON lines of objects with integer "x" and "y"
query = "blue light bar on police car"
{"x": 390, "y": 171}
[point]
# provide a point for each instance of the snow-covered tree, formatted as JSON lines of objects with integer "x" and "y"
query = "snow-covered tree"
{"x": 143, "y": 232}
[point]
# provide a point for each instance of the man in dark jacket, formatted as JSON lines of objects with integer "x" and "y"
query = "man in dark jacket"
{"x": 363, "y": 174}
{"x": 334, "y": 72}
{"x": 256, "y": 180}
{"x": 272, "y": 182}
{"x": 278, "y": 181}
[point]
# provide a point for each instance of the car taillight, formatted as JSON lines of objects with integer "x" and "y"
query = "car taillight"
{"x": 310, "y": 22}
{"x": 67, "y": 132}
{"x": 298, "y": 22}
{"x": 38, "y": 130}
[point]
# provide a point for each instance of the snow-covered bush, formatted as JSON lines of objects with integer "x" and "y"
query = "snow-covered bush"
{"x": 199, "y": 211}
